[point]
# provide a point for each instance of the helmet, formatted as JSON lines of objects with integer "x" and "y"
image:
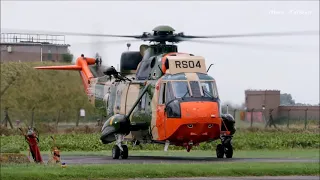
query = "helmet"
{"x": 228, "y": 117}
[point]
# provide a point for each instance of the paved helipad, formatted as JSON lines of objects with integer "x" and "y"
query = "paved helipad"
{"x": 167, "y": 159}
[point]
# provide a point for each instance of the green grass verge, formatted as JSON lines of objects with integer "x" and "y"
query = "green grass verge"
{"x": 290, "y": 153}
{"x": 33, "y": 172}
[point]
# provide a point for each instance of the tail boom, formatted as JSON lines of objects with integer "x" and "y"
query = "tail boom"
{"x": 81, "y": 66}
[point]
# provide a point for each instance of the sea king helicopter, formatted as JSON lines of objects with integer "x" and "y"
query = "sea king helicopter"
{"x": 160, "y": 95}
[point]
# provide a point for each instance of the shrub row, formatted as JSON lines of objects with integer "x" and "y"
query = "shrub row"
{"x": 243, "y": 140}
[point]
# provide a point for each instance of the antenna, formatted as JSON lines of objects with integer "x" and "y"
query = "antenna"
{"x": 128, "y": 45}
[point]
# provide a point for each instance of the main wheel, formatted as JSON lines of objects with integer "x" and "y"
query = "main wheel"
{"x": 229, "y": 151}
{"x": 220, "y": 151}
{"x": 125, "y": 152}
{"x": 115, "y": 152}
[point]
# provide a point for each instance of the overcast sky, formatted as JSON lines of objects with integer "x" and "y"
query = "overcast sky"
{"x": 236, "y": 68}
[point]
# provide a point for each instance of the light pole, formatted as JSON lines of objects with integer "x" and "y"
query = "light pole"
{"x": 227, "y": 109}
{"x": 263, "y": 112}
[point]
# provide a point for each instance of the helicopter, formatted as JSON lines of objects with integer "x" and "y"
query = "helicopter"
{"x": 159, "y": 95}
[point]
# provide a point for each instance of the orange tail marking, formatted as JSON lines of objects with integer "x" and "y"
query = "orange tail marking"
{"x": 70, "y": 67}
{"x": 81, "y": 65}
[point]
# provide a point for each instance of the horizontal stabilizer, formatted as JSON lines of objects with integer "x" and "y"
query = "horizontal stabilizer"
{"x": 67, "y": 67}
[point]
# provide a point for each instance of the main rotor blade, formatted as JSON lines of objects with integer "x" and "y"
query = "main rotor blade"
{"x": 18, "y": 31}
{"x": 106, "y": 42}
{"x": 256, "y": 34}
{"x": 276, "y": 47}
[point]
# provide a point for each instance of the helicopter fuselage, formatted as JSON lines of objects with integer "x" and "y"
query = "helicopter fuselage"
{"x": 181, "y": 106}
{"x": 159, "y": 96}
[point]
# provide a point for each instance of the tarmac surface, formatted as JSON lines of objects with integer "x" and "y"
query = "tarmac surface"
{"x": 166, "y": 159}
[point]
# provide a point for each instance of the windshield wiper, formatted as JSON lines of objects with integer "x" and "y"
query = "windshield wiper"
{"x": 208, "y": 93}
{"x": 185, "y": 93}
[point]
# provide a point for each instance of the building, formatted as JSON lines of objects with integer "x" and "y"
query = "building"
{"x": 262, "y": 101}
{"x": 17, "y": 47}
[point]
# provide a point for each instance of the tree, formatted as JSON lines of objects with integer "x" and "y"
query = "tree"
{"x": 286, "y": 99}
{"x": 67, "y": 58}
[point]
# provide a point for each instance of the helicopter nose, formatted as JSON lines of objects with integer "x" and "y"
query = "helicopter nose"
{"x": 199, "y": 122}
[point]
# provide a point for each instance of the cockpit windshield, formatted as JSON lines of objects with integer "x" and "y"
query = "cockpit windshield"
{"x": 209, "y": 89}
{"x": 182, "y": 89}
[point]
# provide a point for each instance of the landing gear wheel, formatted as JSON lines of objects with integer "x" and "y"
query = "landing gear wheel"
{"x": 115, "y": 152}
{"x": 220, "y": 151}
{"x": 125, "y": 152}
{"x": 229, "y": 151}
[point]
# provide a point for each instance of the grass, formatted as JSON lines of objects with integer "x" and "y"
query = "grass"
{"x": 115, "y": 171}
{"x": 290, "y": 153}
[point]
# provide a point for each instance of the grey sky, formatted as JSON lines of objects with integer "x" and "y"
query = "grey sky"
{"x": 236, "y": 68}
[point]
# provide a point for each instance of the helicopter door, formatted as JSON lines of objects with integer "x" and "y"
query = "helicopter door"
{"x": 160, "y": 111}
{"x": 132, "y": 95}
{"x": 120, "y": 103}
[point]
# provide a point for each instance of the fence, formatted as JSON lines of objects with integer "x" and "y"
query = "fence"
{"x": 61, "y": 119}
{"x": 64, "y": 119}
{"x": 263, "y": 118}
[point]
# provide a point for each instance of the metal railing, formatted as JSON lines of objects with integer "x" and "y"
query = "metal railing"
{"x": 32, "y": 38}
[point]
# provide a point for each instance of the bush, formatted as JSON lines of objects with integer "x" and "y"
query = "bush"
{"x": 10, "y": 148}
{"x": 243, "y": 140}
{"x": 67, "y": 58}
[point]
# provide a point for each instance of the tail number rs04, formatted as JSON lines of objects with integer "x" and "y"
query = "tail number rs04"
{"x": 188, "y": 64}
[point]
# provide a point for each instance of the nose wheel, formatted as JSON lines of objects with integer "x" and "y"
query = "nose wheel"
{"x": 225, "y": 148}
{"x": 117, "y": 152}
{"x": 120, "y": 150}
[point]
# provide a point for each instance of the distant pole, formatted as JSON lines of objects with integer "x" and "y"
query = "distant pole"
{"x": 227, "y": 109}
{"x": 305, "y": 118}
{"x": 41, "y": 52}
{"x": 251, "y": 117}
{"x": 288, "y": 118}
{"x": 58, "y": 119}
{"x": 234, "y": 113}
{"x": 263, "y": 113}
{"x": 78, "y": 118}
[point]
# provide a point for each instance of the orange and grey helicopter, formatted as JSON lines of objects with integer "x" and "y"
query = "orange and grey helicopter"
{"x": 160, "y": 95}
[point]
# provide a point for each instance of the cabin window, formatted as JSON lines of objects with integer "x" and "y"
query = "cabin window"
{"x": 143, "y": 102}
{"x": 118, "y": 99}
{"x": 144, "y": 70}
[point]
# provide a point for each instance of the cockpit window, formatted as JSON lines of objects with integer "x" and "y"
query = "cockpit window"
{"x": 195, "y": 88}
{"x": 181, "y": 89}
{"x": 169, "y": 93}
{"x": 209, "y": 89}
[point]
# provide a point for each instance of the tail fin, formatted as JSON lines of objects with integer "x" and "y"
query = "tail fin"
{"x": 81, "y": 66}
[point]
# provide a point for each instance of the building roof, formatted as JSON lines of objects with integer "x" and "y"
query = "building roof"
{"x": 32, "y": 44}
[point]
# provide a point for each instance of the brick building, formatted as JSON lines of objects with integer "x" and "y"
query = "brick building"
{"x": 32, "y": 47}
{"x": 261, "y": 101}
